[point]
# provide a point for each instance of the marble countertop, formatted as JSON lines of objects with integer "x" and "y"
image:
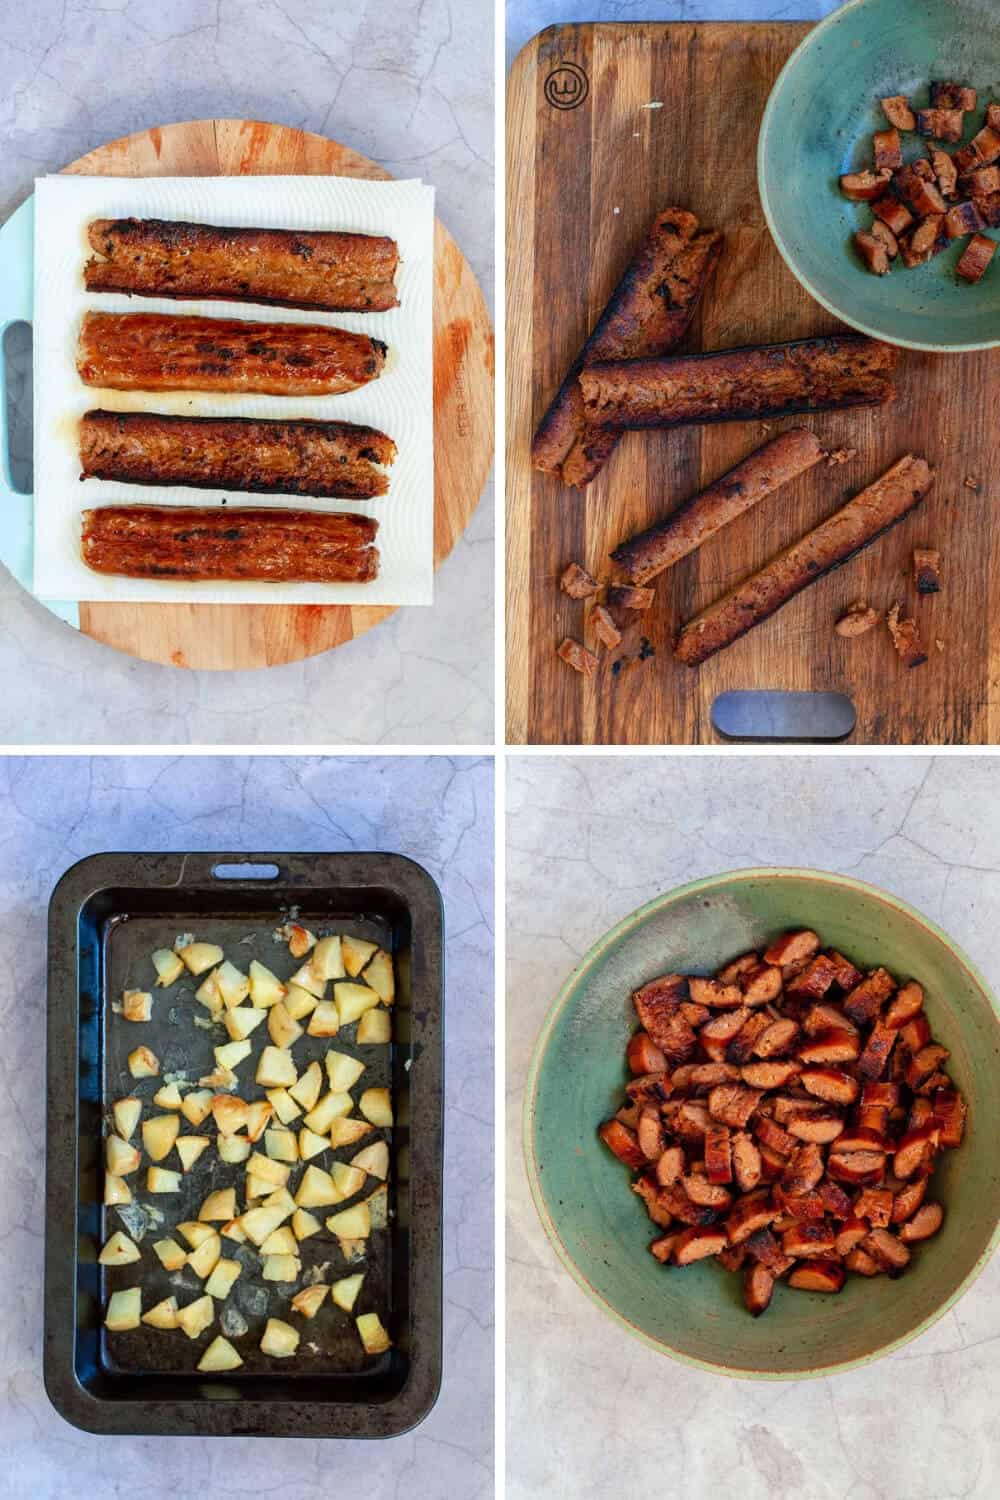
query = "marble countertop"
{"x": 590, "y": 1411}
{"x": 439, "y": 811}
{"x": 417, "y": 96}
{"x": 525, "y": 18}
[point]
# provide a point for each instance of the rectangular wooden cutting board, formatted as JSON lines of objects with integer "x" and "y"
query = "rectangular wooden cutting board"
{"x": 607, "y": 124}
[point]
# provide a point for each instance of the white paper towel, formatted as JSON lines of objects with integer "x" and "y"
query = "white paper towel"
{"x": 399, "y": 403}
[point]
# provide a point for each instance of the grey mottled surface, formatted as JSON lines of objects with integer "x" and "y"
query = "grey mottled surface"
{"x": 435, "y": 809}
{"x": 591, "y": 1412}
{"x": 527, "y": 17}
{"x": 414, "y": 91}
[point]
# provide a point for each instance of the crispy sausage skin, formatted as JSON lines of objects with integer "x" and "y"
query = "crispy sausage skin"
{"x": 831, "y": 544}
{"x": 337, "y": 459}
{"x": 155, "y": 352}
{"x": 202, "y": 545}
{"x": 692, "y": 523}
{"x": 736, "y": 385}
{"x": 649, "y": 313}
{"x": 290, "y": 268}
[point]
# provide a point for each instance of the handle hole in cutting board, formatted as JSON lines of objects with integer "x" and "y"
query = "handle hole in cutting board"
{"x": 245, "y": 872}
{"x": 762, "y": 716}
{"x": 18, "y": 348}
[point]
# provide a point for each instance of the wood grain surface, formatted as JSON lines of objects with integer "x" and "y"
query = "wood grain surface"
{"x": 671, "y": 117}
{"x": 229, "y": 637}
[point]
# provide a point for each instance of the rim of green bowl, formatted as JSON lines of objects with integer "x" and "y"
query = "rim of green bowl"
{"x": 836, "y": 18}
{"x": 635, "y": 919}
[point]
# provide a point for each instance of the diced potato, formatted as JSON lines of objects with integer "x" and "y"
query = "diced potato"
{"x": 378, "y": 1207}
{"x": 280, "y": 1339}
{"x": 119, "y": 1250}
{"x": 374, "y": 1159}
{"x": 281, "y": 1268}
{"x": 233, "y": 1148}
{"x": 209, "y": 995}
{"x": 284, "y": 1105}
{"x": 265, "y": 988}
{"x": 329, "y": 1108}
{"x": 168, "y": 966}
{"x": 325, "y": 1020}
{"x": 201, "y": 956}
{"x": 346, "y": 1131}
{"x": 137, "y": 1005}
{"x": 258, "y": 1115}
{"x": 124, "y": 1310}
{"x": 255, "y": 1187}
{"x": 347, "y": 1180}
{"x": 258, "y": 1223}
{"x": 232, "y": 1231}
{"x": 126, "y": 1114}
{"x": 196, "y": 1317}
{"x": 353, "y": 1251}
{"x": 345, "y": 1291}
{"x": 283, "y": 1031}
{"x": 300, "y": 940}
{"x": 171, "y": 1256}
{"x": 197, "y": 1106}
{"x": 281, "y": 1145}
{"x": 374, "y": 1028}
{"x": 352, "y": 1000}
{"x": 233, "y": 986}
{"x": 143, "y": 1063}
{"x": 373, "y": 1335}
{"x": 163, "y": 1315}
{"x": 307, "y": 1090}
{"x": 189, "y": 1148}
{"x": 311, "y": 1144}
{"x": 241, "y": 1021}
{"x": 316, "y": 1190}
{"x": 120, "y": 1156}
{"x": 281, "y": 1242}
{"x": 231, "y": 1054}
{"x": 299, "y": 1002}
{"x": 305, "y": 1224}
{"x": 376, "y": 1105}
{"x": 195, "y": 1232}
{"x": 342, "y": 1071}
{"x": 276, "y": 1069}
{"x": 274, "y": 1172}
{"x": 379, "y": 976}
{"x": 219, "y": 1356}
{"x": 281, "y": 1198}
{"x": 219, "y": 1206}
{"x": 169, "y": 1097}
{"x": 158, "y": 1180}
{"x": 159, "y": 1135}
{"x": 219, "y": 1078}
{"x": 307, "y": 978}
{"x": 204, "y": 1260}
{"x": 116, "y": 1189}
{"x": 356, "y": 953}
{"x": 311, "y": 1298}
{"x": 229, "y": 1113}
{"x": 351, "y": 1223}
{"x": 328, "y": 960}
{"x": 223, "y": 1278}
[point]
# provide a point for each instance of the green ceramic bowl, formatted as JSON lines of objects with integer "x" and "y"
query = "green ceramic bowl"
{"x": 600, "y": 1229}
{"x": 819, "y": 123}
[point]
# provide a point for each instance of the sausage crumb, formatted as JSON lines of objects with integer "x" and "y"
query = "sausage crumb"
{"x": 840, "y": 456}
{"x": 577, "y": 582}
{"x": 906, "y": 638}
{"x": 578, "y": 657}
{"x": 857, "y": 620}
{"x": 898, "y": 112}
{"x": 927, "y": 570}
{"x": 605, "y": 629}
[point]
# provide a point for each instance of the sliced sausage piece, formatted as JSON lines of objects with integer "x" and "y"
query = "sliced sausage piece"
{"x": 656, "y": 1005}
{"x": 690, "y": 524}
{"x": 874, "y": 252}
{"x": 731, "y": 972}
{"x": 887, "y": 1250}
{"x": 836, "y": 1201}
{"x": 924, "y": 1063}
{"x": 623, "y": 1142}
{"x": 961, "y": 220}
{"x": 798, "y": 1206}
{"x": 792, "y": 947}
{"x": 750, "y": 1213}
{"x": 764, "y": 1246}
{"x": 758, "y": 1284}
{"x": 855, "y": 526}
{"x": 875, "y": 1205}
{"x": 923, "y": 197}
{"x": 815, "y": 979}
{"x": 762, "y": 985}
{"x": 888, "y": 150}
{"x": 821, "y": 1128}
{"x": 675, "y": 1201}
{"x": 578, "y": 657}
{"x": 818, "y": 1276}
{"x": 864, "y": 187}
{"x": 827, "y": 1018}
{"x": 746, "y": 1162}
{"x": 707, "y": 1075}
{"x": 833, "y": 1045}
{"x": 769, "y": 1075}
{"x": 718, "y": 1155}
{"x": 650, "y": 1134}
{"x": 604, "y": 627}
{"x": 861, "y": 1263}
{"x": 909, "y": 1198}
{"x": 913, "y": 1150}
{"x": 830, "y": 1084}
{"x": 976, "y": 261}
{"x": 894, "y": 215}
{"x": 643, "y": 1055}
{"x": 945, "y": 95}
{"x": 716, "y": 1034}
{"x": 742, "y": 1045}
{"x": 945, "y": 171}
{"x": 732, "y": 1258}
{"x": 881, "y": 1040}
{"x": 698, "y": 1244}
{"x": 657, "y": 1206}
{"x": 850, "y": 1234}
{"x": 786, "y": 1107}
{"x": 663, "y": 1248}
{"x": 577, "y": 583}
{"x": 949, "y": 1111}
{"x": 714, "y": 994}
{"x": 804, "y": 1169}
{"x": 865, "y": 1000}
{"x": 778, "y": 1037}
{"x": 772, "y": 1135}
{"x": 650, "y": 1089}
{"x": 941, "y": 124}
{"x": 690, "y": 1122}
{"x": 732, "y": 1104}
{"x": 925, "y": 1222}
{"x": 706, "y": 1194}
{"x": 670, "y": 1166}
{"x": 898, "y": 112}
{"x": 915, "y": 1034}
{"x": 627, "y": 596}
{"x": 860, "y": 1138}
{"x": 808, "y": 1239}
{"x": 906, "y": 638}
{"x": 857, "y": 1168}
{"x": 907, "y": 1003}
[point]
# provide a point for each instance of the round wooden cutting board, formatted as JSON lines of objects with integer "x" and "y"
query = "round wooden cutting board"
{"x": 230, "y": 637}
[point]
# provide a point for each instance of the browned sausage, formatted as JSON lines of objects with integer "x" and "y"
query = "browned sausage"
{"x": 693, "y": 522}
{"x": 156, "y": 352}
{"x": 829, "y": 545}
{"x": 236, "y": 453}
{"x": 737, "y": 385}
{"x": 292, "y": 268}
{"x": 648, "y": 314}
{"x": 194, "y": 544}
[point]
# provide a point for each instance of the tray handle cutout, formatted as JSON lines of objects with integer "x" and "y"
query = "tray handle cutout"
{"x": 249, "y": 871}
{"x": 772, "y": 716}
